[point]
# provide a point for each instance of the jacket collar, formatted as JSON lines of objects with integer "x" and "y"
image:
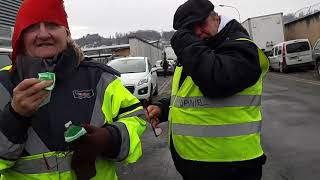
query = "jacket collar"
{"x": 62, "y": 65}
{"x": 231, "y": 31}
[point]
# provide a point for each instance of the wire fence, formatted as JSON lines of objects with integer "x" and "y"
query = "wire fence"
{"x": 301, "y": 13}
{"x": 307, "y": 10}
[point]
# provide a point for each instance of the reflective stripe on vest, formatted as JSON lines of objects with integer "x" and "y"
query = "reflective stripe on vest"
{"x": 4, "y": 97}
{"x": 216, "y": 131}
{"x": 203, "y": 102}
{"x": 98, "y": 118}
{"x": 6, "y": 68}
{"x": 34, "y": 144}
{"x": 43, "y": 165}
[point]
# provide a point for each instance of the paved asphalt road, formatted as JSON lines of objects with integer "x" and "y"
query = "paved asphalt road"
{"x": 291, "y": 131}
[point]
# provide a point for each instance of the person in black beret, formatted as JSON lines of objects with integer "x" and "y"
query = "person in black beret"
{"x": 215, "y": 105}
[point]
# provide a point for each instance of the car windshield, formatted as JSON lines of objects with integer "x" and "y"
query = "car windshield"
{"x": 129, "y": 65}
{"x": 4, "y": 60}
{"x": 298, "y": 47}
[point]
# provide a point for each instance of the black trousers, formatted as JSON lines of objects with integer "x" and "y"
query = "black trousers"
{"x": 193, "y": 170}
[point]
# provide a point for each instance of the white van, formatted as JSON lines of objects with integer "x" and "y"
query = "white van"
{"x": 288, "y": 54}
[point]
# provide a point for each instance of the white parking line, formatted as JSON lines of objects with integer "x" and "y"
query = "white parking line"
{"x": 295, "y": 79}
{"x": 164, "y": 85}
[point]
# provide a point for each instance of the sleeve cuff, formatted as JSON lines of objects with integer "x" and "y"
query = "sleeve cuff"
{"x": 115, "y": 141}
{"x": 13, "y": 125}
{"x": 164, "y": 106}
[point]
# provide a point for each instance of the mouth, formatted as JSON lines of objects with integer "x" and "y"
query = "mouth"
{"x": 45, "y": 44}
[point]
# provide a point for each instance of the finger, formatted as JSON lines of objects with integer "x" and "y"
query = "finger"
{"x": 38, "y": 96}
{"x": 154, "y": 113}
{"x": 146, "y": 112}
{"x": 89, "y": 128}
{"x": 150, "y": 108}
{"x": 155, "y": 123}
{"x": 27, "y": 83}
{"x": 35, "y": 104}
{"x": 37, "y": 87}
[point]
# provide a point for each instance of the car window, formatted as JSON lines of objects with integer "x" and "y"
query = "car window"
{"x": 272, "y": 52}
{"x": 129, "y": 66}
{"x": 276, "y": 51}
{"x": 4, "y": 60}
{"x": 298, "y": 47}
{"x": 279, "y": 50}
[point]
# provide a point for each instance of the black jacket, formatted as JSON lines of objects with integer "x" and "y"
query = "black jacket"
{"x": 220, "y": 66}
{"x": 64, "y": 106}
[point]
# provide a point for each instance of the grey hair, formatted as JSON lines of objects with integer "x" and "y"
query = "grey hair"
{"x": 80, "y": 56}
{"x": 213, "y": 13}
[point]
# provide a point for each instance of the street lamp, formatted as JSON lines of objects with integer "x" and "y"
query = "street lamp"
{"x": 222, "y": 5}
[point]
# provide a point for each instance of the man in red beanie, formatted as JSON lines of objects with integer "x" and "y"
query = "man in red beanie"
{"x": 85, "y": 93}
{"x": 215, "y": 107}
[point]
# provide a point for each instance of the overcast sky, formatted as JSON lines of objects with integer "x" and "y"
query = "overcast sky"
{"x": 107, "y": 17}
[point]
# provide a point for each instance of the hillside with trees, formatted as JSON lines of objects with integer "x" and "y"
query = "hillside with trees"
{"x": 96, "y": 40}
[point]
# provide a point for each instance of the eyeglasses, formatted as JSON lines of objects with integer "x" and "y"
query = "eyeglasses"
{"x": 156, "y": 130}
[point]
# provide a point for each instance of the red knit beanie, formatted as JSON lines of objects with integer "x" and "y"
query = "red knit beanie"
{"x": 33, "y": 12}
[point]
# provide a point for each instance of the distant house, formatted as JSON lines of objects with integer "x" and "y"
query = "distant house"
{"x": 306, "y": 27}
{"x": 8, "y": 11}
{"x": 136, "y": 47}
{"x": 141, "y": 47}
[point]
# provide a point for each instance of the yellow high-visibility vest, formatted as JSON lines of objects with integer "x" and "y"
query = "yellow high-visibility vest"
{"x": 6, "y": 68}
{"x": 216, "y": 130}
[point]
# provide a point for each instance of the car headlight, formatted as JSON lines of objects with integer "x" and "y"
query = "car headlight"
{"x": 143, "y": 81}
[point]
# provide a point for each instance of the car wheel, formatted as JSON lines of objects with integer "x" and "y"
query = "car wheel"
{"x": 271, "y": 69}
{"x": 156, "y": 91}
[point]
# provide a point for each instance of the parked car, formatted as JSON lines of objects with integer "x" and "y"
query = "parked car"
{"x": 137, "y": 75}
{"x": 170, "y": 69}
{"x": 316, "y": 56}
{"x": 288, "y": 54}
{"x": 5, "y": 57}
{"x": 5, "y": 60}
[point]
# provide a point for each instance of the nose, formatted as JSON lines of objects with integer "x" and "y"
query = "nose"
{"x": 43, "y": 32}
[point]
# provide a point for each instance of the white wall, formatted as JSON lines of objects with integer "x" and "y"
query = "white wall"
{"x": 170, "y": 53}
{"x": 266, "y": 31}
{"x": 141, "y": 48}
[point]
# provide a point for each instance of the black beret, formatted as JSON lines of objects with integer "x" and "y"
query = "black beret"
{"x": 191, "y": 12}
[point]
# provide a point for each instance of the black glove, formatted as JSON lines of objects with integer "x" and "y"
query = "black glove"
{"x": 182, "y": 39}
{"x": 86, "y": 149}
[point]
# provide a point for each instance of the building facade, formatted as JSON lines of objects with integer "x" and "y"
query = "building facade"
{"x": 304, "y": 28}
{"x": 8, "y": 11}
{"x": 141, "y": 47}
